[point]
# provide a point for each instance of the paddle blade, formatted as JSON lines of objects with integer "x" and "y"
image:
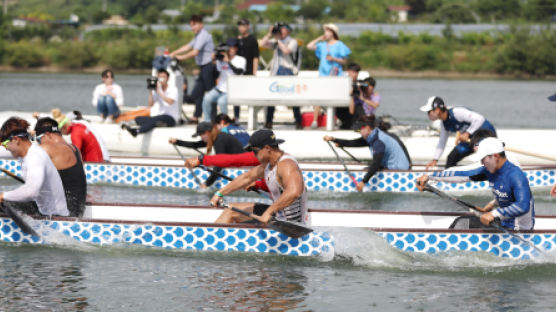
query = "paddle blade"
{"x": 290, "y": 229}
{"x": 26, "y": 228}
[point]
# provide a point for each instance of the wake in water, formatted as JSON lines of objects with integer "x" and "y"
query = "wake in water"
{"x": 362, "y": 247}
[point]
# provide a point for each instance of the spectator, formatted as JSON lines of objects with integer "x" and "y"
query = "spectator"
{"x": 108, "y": 97}
{"x": 364, "y": 100}
{"x": 200, "y": 48}
{"x": 165, "y": 107}
{"x": 228, "y": 63}
{"x": 283, "y": 62}
{"x": 343, "y": 113}
{"x": 332, "y": 54}
{"x": 249, "y": 49}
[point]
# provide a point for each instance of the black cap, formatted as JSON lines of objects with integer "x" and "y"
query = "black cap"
{"x": 262, "y": 138}
{"x": 232, "y": 42}
{"x": 360, "y": 123}
{"x": 243, "y": 21}
{"x": 202, "y": 127}
{"x": 552, "y": 97}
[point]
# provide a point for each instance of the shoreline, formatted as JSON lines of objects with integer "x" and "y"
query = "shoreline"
{"x": 377, "y": 72}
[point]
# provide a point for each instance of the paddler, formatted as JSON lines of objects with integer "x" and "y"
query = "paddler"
{"x": 388, "y": 153}
{"x": 67, "y": 160}
{"x": 42, "y": 193}
{"x": 458, "y": 120}
{"x": 283, "y": 176}
{"x": 509, "y": 183}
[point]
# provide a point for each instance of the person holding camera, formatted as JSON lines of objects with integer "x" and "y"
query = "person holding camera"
{"x": 332, "y": 54}
{"x": 283, "y": 62}
{"x": 164, "y": 104}
{"x": 364, "y": 99}
{"x": 200, "y": 48}
{"x": 228, "y": 63}
{"x": 249, "y": 49}
{"x": 108, "y": 97}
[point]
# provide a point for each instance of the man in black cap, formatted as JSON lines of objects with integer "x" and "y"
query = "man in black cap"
{"x": 249, "y": 49}
{"x": 284, "y": 180}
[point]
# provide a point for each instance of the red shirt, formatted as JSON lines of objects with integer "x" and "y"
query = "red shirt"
{"x": 231, "y": 160}
{"x": 85, "y": 142}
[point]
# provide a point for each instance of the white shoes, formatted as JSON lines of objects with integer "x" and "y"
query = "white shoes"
{"x": 314, "y": 125}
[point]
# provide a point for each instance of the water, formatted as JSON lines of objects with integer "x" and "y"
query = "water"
{"x": 500, "y": 101}
{"x": 366, "y": 274}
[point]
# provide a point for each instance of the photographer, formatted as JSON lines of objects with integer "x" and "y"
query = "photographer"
{"x": 364, "y": 100}
{"x": 228, "y": 63}
{"x": 164, "y": 104}
{"x": 283, "y": 62}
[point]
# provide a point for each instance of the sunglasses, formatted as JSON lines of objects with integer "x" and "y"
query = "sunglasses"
{"x": 39, "y": 137}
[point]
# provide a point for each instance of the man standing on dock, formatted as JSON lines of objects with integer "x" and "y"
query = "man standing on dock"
{"x": 509, "y": 184}
{"x": 283, "y": 177}
{"x": 458, "y": 120}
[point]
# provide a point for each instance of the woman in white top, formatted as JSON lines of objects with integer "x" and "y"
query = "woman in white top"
{"x": 43, "y": 191}
{"x": 108, "y": 97}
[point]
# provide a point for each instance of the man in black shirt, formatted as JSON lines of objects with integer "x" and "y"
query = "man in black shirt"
{"x": 249, "y": 49}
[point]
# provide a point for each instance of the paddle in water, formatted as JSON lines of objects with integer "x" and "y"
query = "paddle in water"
{"x": 343, "y": 163}
{"x": 26, "y": 228}
{"x": 190, "y": 170}
{"x": 290, "y": 229}
{"x": 477, "y": 212}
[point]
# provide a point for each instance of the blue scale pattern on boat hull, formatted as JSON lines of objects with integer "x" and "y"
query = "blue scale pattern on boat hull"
{"x": 175, "y": 237}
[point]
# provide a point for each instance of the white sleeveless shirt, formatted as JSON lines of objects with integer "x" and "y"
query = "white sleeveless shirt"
{"x": 297, "y": 211}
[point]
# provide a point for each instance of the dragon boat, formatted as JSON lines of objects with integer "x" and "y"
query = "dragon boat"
{"x": 192, "y": 228}
{"x": 318, "y": 176}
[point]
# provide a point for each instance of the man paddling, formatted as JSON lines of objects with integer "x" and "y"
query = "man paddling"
{"x": 509, "y": 183}
{"x": 42, "y": 191}
{"x": 67, "y": 160}
{"x": 283, "y": 177}
{"x": 456, "y": 120}
{"x": 388, "y": 153}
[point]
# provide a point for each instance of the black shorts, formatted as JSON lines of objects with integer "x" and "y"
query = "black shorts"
{"x": 259, "y": 209}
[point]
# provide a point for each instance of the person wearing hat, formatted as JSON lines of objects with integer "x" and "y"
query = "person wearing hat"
{"x": 211, "y": 137}
{"x": 509, "y": 183}
{"x": 201, "y": 47}
{"x": 43, "y": 192}
{"x": 82, "y": 136}
{"x": 458, "y": 120}
{"x": 283, "y": 178}
{"x": 67, "y": 160}
{"x": 332, "y": 54}
{"x": 283, "y": 63}
{"x": 228, "y": 63}
{"x": 249, "y": 49}
{"x": 388, "y": 153}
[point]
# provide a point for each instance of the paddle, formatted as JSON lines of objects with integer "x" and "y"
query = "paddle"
{"x": 19, "y": 179}
{"x": 343, "y": 163}
{"x": 290, "y": 229}
{"x": 26, "y": 228}
{"x": 520, "y": 151}
{"x": 477, "y": 213}
{"x": 190, "y": 170}
{"x": 350, "y": 155}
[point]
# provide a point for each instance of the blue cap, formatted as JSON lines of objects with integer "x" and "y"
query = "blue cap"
{"x": 552, "y": 97}
{"x": 232, "y": 42}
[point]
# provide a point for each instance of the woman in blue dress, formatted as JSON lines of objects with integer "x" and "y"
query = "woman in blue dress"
{"x": 332, "y": 54}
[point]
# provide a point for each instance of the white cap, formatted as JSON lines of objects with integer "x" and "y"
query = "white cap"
{"x": 488, "y": 146}
{"x": 432, "y": 103}
{"x": 363, "y": 74}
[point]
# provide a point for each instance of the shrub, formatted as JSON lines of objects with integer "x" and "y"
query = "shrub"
{"x": 24, "y": 54}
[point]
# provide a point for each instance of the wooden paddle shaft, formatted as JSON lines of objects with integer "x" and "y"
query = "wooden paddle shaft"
{"x": 523, "y": 152}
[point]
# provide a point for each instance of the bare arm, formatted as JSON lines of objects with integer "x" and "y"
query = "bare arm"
{"x": 313, "y": 44}
{"x": 255, "y": 65}
{"x": 291, "y": 180}
{"x": 239, "y": 183}
{"x": 264, "y": 41}
{"x": 181, "y": 50}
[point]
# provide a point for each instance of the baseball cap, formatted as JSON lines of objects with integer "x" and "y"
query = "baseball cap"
{"x": 552, "y": 97}
{"x": 243, "y": 21}
{"x": 488, "y": 146}
{"x": 432, "y": 103}
{"x": 360, "y": 123}
{"x": 262, "y": 138}
{"x": 202, "y": 127}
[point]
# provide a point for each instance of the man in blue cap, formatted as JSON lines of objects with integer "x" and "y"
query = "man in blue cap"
{"x": 228, "y": 63}
{"x": 283, "y": 177}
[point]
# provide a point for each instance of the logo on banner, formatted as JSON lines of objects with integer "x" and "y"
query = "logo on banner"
{"x": 294, "y": 88}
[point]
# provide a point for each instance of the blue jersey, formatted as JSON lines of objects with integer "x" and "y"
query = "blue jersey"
{"x": 511, "y": 188}
{"x": 238, "y": 132}
{"x": 394, "y": 155}
{"x": 452, "y": 124}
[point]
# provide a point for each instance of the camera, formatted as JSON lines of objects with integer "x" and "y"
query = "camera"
{"x": 358, "y": 87}
{"x": 220, "y": 50}
{"x": 276, "y": 28}
{"x": 151, "y": 82}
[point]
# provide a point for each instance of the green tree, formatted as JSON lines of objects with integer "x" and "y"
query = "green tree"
{"x": 279, "y": 12}
{"x": 454, "y": 13}
{"x": 313, "y": 9}
{"x": 499, "y": 9}
{"x": 539, "y": 10}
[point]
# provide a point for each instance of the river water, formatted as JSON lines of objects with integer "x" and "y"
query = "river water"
{"x": 365, "y": 274}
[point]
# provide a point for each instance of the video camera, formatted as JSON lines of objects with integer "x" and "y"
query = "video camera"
{"x": 220, "y": 50}
{"x": 358, "y": 87}
{"x": 277, "y": 26}
{"x": 151, "y": 82}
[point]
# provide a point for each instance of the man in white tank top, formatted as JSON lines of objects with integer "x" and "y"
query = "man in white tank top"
{"x": 282, "y": 176}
